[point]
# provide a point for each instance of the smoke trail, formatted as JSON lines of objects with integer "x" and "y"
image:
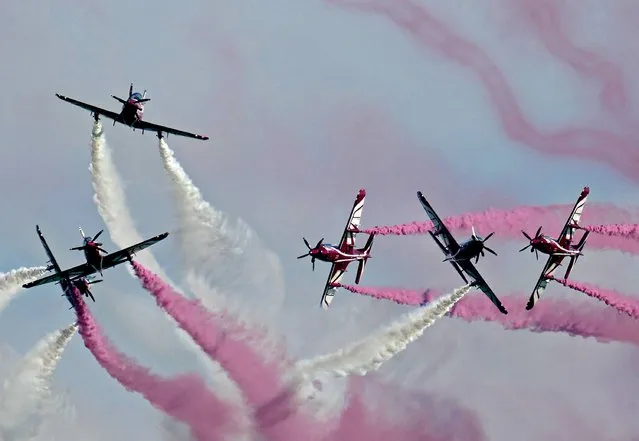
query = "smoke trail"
{"x": 209, "y": 239}
{"x": 260, "y": 380}
{"x": 220, "y": 240}
{"x": 26, "y": 392}
{"x": 610, "y": 297}
{"x": 627, "y": 231}
{"x": 585, "y": 320}
{"x": 508, "y": 224}
{"x": 11, "y": 282}
{"x": 416, "y": 21}
{"x": 401, "y": 296}
{"x": 111, "y": 200}
{"x": 183, "y": 397}
{"x": 370, "y": 353}
{"x": 546, "y": 18}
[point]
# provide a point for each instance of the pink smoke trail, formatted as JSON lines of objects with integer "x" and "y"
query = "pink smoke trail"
{"x": 547, "y": 316}
{"x": 260, "y": 380}
{"x": 594, "y": 144}
{"x": 508, "y": 223}
{"x": 551, "y": 315}
{"x": 627, "y": 231}
{"x": 185, "y": 398}
{"x": 401, "y": 296}
{"x": 434, "y": 421}
{"x": 610, "y": 297}
{"x": 545, "y": 16}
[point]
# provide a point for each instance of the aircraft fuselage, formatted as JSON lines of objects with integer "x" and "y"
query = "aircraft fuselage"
{"x": 548, "y": 245}
{"x": 468, "y": 250}
{"x": 93, "y": 255}
{"x": 332, "y": 254}
{"x": 132, "y": 112}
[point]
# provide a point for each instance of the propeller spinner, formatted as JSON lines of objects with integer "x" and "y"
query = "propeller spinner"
{"x": 310, "y": 250}
{"x": 481, "y": 240}
{"x": 531, "y": 243}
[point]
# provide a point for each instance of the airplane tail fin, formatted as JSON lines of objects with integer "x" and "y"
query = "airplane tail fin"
{"x": 578, "y": 247}
{"x": 362, "y": 263}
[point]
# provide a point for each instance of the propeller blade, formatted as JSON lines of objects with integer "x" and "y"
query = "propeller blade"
{"x": 303, "y": 255}
{"x": 77, "y": 248}
{"x": 96, "y": 236}
{"x": 526, "y": 234}
{"x": 536, "y": 254}
{"x": 537, "y": 233}
{"x": 103, "y": 250}
{"x": 529, "y": 245}
{"x": 306, "y": 242}
{"x": 490, "y": 251}
{"x": 313, "y": 263}
{"x": 477, "y": 259}
{"x": 472, "y": 227}
{"x": 488, "y": 237}
{"x": 319, "y": 243}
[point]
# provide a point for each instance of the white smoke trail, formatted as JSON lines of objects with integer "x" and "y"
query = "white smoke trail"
{"x": 370, "y": 353}
{"x": 229, "y": 253}
{"x": 111, "y": 202}
{"x": 11, "y": 282}
{"x": 27, "y": 392}
{"x": 200, "y": 221}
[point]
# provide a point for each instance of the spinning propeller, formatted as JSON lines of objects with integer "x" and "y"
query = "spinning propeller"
{"x": 532, "y": 245}
{"x": 89, "y": 239}
{"x": 481, "y": 240}
{"x": 310, "y": 250}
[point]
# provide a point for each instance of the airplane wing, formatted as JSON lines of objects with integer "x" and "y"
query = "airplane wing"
{"x": 334, "y": 276}
{"x": 567, "y": 233}
{"x": 93, "y": 109}
{"x": 52, "y": 259}
{"x": 450, "y": 244}
{"x": 72, "y": 273}
{"x": 551, "y": 266}
{"x": 470, "y": 269}
{"x": 123, "y": 255}
{"x": 145, "y": 125}
{"x": 109, "y": 261}
{"x": 347, "y": 242}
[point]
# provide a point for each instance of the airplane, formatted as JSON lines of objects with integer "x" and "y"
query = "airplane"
{"x": 81, "y": 276}
{"x": 461, "y": 255}
{"x": 341, "y": 255}
{"x": 131, "y": 114}
{"x": 557, "y": 249}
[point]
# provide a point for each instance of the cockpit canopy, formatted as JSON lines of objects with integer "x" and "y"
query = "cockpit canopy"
{"x": 136, "y": 96}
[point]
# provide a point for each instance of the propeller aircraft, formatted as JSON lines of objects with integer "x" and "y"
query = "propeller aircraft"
{"x": 461, "y": 255}
{"x": 341, "y": 255}
{"x": 131, "y": 115}
{"x": 81, "y": 276}
{"x": 557, "y": 249}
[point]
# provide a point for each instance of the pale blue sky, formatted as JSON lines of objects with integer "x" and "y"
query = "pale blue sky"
{"x": 304, "y": 103}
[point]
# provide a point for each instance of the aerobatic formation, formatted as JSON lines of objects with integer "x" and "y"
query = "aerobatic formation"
{"x": 277, "y": 391}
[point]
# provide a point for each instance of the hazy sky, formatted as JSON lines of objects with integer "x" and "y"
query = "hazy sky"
{"x": 305, "y": 102}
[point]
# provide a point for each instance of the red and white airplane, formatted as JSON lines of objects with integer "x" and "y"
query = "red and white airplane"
{"x": 558, "y": 248}
{"x": 343, "y": 254}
